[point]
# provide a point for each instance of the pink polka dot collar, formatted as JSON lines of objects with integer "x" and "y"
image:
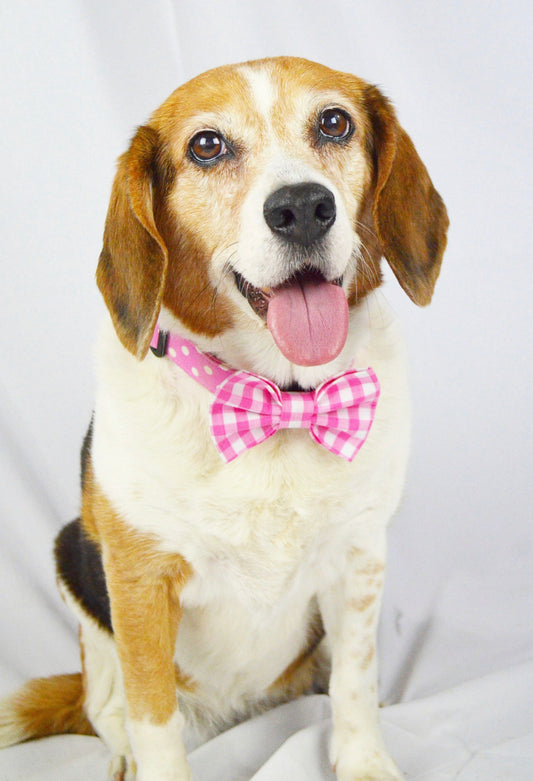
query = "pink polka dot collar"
{"x": 202, "y": 367}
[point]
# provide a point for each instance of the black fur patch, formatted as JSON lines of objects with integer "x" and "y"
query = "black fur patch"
{"x": 79, "y": 565}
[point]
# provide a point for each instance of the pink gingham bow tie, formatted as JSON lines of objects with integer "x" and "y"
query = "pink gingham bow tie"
{"x": 247, "y": 408}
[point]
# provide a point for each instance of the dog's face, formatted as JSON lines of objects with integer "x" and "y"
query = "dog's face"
{"x": 268, "y": 191}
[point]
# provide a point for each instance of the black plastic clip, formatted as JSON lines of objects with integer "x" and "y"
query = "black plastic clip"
{"x": 161, "y": 349}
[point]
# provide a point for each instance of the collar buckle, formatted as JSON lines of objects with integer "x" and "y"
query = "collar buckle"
{"x": 160, "y": 350}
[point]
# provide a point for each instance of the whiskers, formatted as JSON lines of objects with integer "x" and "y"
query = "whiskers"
{"x": 361, "y": 266}
{"x": 368, "y": 277}
{"x": 226, "y": 255}
{"x": 361, "y": 226}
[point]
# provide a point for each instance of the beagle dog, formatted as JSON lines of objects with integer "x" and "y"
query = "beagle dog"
{"x": 230, "y": 555}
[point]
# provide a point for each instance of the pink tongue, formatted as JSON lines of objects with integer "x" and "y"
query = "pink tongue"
{"x": 308, "y": 319}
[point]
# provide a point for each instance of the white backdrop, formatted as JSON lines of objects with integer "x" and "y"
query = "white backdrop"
{"x": 456, "y": 637}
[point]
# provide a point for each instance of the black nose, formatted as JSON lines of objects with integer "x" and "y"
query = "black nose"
{"x": 300, "y": 213}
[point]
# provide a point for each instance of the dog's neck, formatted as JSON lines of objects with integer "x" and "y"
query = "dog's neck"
{"x": 251, "y": 349}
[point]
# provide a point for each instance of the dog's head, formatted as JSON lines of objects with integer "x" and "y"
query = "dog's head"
{"x": 267, "y": 193}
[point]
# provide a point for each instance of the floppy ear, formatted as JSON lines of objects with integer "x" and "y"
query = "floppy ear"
{"x": 133, "y": 262}
{"x": 409, "y": 215}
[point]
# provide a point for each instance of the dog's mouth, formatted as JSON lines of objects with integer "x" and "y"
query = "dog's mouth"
{"x": 306, "y": 315}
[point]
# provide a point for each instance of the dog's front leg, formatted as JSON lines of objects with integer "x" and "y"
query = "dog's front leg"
{"x": 350, "y": 611}
{"x": 145, "y": 610}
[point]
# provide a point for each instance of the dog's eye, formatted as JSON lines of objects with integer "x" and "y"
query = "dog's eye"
{"x": 335, "y": 124}
{"x": 207, "y": 146}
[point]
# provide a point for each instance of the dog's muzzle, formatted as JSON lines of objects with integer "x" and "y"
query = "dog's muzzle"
{"x": 307, "y": 313}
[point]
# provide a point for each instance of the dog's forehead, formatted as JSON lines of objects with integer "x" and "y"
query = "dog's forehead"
{"x": 262, "y": 88}
{"x": 281, "y": 99}
{"x": 292, "y": 85}
{"x": 267, "y": 96}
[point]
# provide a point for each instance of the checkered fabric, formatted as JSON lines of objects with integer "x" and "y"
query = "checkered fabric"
{"x": 247, "y": 408}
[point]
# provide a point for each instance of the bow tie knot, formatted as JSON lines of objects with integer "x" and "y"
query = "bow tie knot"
{"x": 297, "y": 410}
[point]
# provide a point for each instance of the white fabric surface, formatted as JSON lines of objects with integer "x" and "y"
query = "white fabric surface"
{"x": 456, "y": 633}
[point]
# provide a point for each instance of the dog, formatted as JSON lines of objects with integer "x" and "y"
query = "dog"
{"x": 221, "y": 567}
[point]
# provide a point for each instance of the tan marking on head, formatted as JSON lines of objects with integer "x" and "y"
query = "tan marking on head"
{"x": 200, "y": 219}
{"x": 144, "y": 588}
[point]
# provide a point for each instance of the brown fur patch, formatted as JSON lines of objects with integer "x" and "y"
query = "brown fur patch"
{"x": 296, "y": 679}
{"x": 409, "y": 215}
{"x": 183, "y": 682}
{"x": 367, "y": 659}
{"x": 189, "y": 292}
{"x": 370, "y": 619}
{"x": 362, "y": 603}
{"x": 364, "y": 564}
{"x": 299, "y": 677}
{"x": 43, "y": 707}
{"x": 132, "y": 265}
{"x": 84, "y": 677}
{"x": 144, "y": 587}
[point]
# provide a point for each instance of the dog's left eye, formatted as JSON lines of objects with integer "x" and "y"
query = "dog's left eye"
{"x": 207, "y": 146}
{"x": 335, "y": 124}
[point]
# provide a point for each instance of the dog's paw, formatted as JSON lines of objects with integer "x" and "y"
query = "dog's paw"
{"x": 362, "y": 760}
{"x": 369, "y": 775}
{"x": 381, "y": 776}
{"x": 122, "y": 769}
{"x": 178, "y": 775}
{"x": 379, "y": 770}
{"x": 182, "y": 773}
{"x": 385, "y": 771}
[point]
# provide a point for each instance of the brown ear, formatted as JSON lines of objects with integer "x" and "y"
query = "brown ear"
{"x": 409, "y": 215}
{"x": 133, "y": 262}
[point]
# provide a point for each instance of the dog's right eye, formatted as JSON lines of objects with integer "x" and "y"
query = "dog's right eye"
{"x": 207, "y": 146}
